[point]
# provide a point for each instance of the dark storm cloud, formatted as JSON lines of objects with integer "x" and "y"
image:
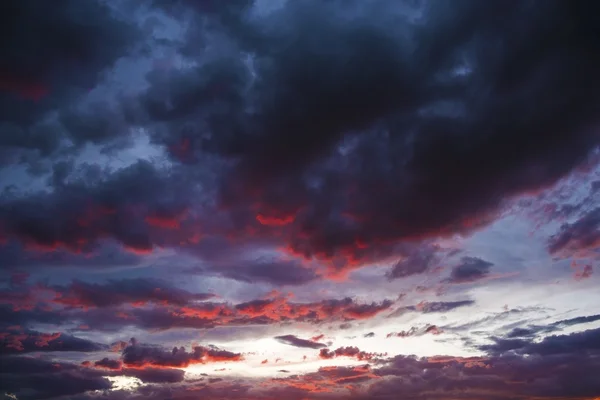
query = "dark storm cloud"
{"x": 333, "y": 133}
{"x": 393, "y": 112}
{"x": 295, "y": 341}
{"x": 400, "y": 134}
{"x": 49, "y": 59}
{"x": 32, "y": 378}
{"x": 471, "y": 269}
{"x": 92, "y": 207}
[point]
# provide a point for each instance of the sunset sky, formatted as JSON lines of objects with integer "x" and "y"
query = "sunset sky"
{"x": 299, "y": 199}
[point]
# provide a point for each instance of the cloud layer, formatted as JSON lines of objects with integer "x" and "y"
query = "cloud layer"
{"x": 303, "y": 199}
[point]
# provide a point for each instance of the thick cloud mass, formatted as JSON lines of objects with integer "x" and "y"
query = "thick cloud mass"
{"x": 286, "y": 199}
{"x": 376, "y": 124}
{"x": 48, "y": 59}
{"x": 410, "y": 128}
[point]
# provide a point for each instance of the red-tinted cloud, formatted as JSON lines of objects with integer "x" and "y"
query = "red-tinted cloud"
{"x": 122, "y": 292}
{"x": 582, "y": 271}
{"x": 23, "y": 88}
{"x": 118, "y": 304}
{"x": 19, "y": 341}
{"x": 141, "y": 356}
{"x": 107, "y": 363}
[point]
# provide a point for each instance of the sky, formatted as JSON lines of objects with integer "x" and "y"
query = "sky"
{"x": 299, "y": 199}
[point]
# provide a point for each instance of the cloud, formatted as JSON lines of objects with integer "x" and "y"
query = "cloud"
{"x": 497, "y": 377}
{"x": 431, "y": 307}
{"x": 161, "y": 314}
{"x": 108, "y": 364}
{"x": 417, "y": 331}
{"x": 139, "y": 355}
{"x": 580, "y": 238}
{"x": 573, "y": 343}
{"x": 532, "y": 369}
{"x": 442, "y": 306}
{"x": 479, "y": 323}
{"x": 349, "y": 351}
{"x": 533, "y": 330}
{"x": 297, "y": 342}
{"x": 471, "y": 269}
{"x": 52, "y": 66}
{"x": 250, "y": 146}
{"x": 416, "y": 262}
{"x": 19, "y": 278}
{"x": 275, "y": 272}
{"x": 17, "y": 341}
{"x": 80, "y": 214}
{"x": 33, "y": 378}
{"x": 127, "y": 291}
{"x": 385, "y": 101}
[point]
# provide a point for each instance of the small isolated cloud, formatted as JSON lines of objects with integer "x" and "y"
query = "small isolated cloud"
{"x": 471, "y": 269}
{"x": 295, "y": 341}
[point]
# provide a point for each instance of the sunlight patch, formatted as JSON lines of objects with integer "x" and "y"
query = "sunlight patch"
{"x": 124, "y": 382}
